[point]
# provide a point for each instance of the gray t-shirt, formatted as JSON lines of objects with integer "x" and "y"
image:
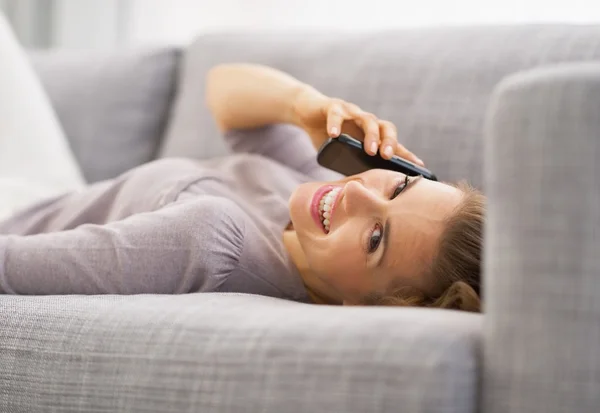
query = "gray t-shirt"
{"x": 170, "y": 226}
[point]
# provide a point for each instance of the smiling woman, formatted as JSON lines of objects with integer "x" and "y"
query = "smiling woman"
{"x": 182, "y": 225}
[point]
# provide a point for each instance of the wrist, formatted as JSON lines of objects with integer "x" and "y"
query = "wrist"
{"x": 305, "y": 101}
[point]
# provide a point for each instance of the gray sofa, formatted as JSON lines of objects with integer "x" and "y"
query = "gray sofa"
{"x": 515, "y": 110}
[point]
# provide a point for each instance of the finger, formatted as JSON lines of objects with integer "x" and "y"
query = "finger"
{"x": 350, "y": 125}
{"x": 370, "y": 125}
{"x": 335, "y": 118}
{"x": 402, "y": 152}
{"x": 389, "y": 139}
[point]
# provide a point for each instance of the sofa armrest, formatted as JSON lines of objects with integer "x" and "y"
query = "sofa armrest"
{"x": 542, "y": 243}
{"x": 230, "y": 353}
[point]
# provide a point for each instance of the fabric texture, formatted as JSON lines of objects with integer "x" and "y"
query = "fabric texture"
{"x": 434, "y": 84}
{"x": 171, "y": 226}
{"x": 232, "y": 353}
{"x": 222, "y": 353}
{"x": 542, "y": 269}
{"x": 113, "y": 106}
{"x": 35, "y": 158}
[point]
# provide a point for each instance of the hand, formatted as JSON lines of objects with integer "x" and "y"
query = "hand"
{"x": 323, "y": 117}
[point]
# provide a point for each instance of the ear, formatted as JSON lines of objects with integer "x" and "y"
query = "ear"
{"x": 459, "y": 296}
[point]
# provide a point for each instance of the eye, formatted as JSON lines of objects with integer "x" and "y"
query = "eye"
{"x": 400, "y": 188}
{"x": 374, "y": 239}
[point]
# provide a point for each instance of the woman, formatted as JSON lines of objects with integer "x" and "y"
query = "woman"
{"x": 179, "y": 225}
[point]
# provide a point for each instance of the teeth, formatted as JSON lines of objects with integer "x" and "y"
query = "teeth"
{"x": 325, "y": 206}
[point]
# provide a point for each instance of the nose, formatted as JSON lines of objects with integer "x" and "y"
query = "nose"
{"x": 360, "y": 200}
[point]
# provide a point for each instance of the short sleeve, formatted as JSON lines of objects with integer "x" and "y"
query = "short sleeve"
{"x": 284, "y": 143}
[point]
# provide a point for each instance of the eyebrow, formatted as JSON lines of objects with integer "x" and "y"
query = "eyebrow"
{"x": 387, "y": 226}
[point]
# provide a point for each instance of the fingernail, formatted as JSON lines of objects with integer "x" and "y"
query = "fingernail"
{"x": 388, "y": 151}
{"x": 373, "y": 147}
{"x": 334, "y": 131}
{"x": 421, "y": 162}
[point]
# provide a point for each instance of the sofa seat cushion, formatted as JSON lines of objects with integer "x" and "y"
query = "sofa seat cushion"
{"x": 225, "y": 353}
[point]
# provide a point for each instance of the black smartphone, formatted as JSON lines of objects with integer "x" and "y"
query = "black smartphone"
{"x": 346, "y": 155}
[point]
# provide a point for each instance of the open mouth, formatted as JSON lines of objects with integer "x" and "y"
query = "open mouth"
{"x": 326, "y": 205}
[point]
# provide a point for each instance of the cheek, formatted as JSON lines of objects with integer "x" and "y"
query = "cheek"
{"x": 338, "y": 262}
{"x": 326, "y": 250}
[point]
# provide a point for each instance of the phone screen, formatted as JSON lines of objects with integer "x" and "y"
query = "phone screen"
{"x": 345, "y": 159}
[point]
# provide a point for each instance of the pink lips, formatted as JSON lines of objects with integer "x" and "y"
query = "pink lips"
{"x": 314, "y": 204}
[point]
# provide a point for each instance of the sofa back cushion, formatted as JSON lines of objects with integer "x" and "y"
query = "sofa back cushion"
{"x": 434, "y": 84}
{"x": 113, "y": 107}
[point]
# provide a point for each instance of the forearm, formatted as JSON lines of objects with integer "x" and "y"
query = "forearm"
{"x": 246, "y": 96}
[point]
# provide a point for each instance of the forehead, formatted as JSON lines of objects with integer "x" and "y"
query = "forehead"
{"x": 436, "y": 197}
{"x": 417, "y": 220}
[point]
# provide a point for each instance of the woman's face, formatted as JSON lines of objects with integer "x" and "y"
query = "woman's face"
{"x": 380, "y": 228}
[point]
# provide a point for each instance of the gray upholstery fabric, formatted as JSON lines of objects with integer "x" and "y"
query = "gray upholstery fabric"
{"x": 232, "y": 353}
{"x": 542, "y": 262}
{"x": 433, "y": 83}
{"x": 113, "y": 107}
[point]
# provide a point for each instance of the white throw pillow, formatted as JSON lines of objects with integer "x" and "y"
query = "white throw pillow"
{"x": 35, "y": 158}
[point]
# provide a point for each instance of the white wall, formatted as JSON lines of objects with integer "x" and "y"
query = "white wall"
{"x": 89, "y": 24}
{"x": 103, "y": 24}
{"x": 162, "y": 21}
{"x": 70, "y": 24}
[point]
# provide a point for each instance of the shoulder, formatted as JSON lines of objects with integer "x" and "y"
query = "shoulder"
{"x": 213, "y": 229}
{"x": 209, "y": 231}
{"x": 210, "y": 217}
{"x": 234, "y": 254}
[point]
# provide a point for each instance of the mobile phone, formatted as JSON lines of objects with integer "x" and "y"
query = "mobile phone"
{"x": 346, "y": 155}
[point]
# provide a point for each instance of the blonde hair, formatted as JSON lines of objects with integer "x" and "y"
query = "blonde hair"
{"x": 457, "y": 265}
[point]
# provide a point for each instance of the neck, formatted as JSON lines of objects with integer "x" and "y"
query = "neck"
{"x": 319, "y": 292}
